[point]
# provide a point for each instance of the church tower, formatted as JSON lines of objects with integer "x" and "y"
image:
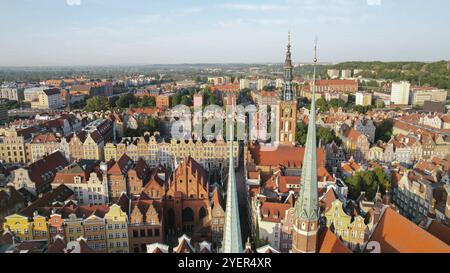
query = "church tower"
{"x": 306, "y": 223}
{"x": 287, "y": 110}
{"x": 232, "y": 240}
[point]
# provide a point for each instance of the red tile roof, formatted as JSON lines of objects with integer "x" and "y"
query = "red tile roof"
{"x": 44, "y": 170}
{"x": 327, "y": 199}
{"x": 284, "y": 155}
{"x": 274, "y": 212}
{"x": 396, "y": 234}
{"x": 330, "y": 243}
{"x": 122, "y": 166}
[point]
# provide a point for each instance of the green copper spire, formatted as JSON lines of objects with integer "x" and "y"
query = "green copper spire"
{"x": 232, "y": 240}
{"x": 307, "y": 206}
{"x": 288, "y": 93}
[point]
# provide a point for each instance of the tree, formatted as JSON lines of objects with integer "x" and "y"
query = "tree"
{"x": 368, "y": 182}
{"x": 380, "y": 104}
{"x": 98, "y": 103}
{"x": 176, "y": 99}
{"x": 146, "y": 101}
{"x": 301, "y": 132}
{"x": 269, "y": 88}
{"x": 322, "y": 105}
{"x": 362, "y": 109}
{"x": 384, "y": 130}
{"x": 124, "y": 101}
{"x": 244, "y": 96}
{"x": 186, "y": 100}
{"x": 336, "y": 103}
{"x": 327, "y": 136}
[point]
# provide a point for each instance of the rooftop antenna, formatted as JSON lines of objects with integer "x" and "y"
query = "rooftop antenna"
{"x": 315, "y": 65}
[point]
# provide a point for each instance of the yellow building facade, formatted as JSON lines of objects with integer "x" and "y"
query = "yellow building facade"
{"x": 117, "y": 230}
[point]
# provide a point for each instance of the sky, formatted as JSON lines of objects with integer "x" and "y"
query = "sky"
{"x": 112, "y": 32}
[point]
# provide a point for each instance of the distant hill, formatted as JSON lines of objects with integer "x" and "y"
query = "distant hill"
{"x": 434, "y": 74}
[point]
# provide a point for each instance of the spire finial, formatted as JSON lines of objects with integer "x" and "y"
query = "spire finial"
{"x": 289, "y": 38}
{"x": 315, "y": 67}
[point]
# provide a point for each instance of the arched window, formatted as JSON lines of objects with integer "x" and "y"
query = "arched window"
{"x": 202, "y": 213}
{"x": 188, "y": 215}
{"x": 171, "y": 218}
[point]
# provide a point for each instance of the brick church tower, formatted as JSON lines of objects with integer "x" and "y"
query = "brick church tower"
{"x": 287, "y": 108}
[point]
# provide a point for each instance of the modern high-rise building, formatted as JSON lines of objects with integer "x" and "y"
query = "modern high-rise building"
{"x": 244, "y": 83}
{"x": 400, "y": 93}
{"x": 262, "y": 83}
{"x": 346, "y": 74}
{"x": 363, "y": 98}
{"x": 333, "y": 73}
{"x": 3, "y": 111}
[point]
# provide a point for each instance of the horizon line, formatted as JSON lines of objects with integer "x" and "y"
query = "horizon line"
{"x": 217, "y": 63}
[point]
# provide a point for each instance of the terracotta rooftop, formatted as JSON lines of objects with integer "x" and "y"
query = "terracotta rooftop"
{"x": 396, "y": 234}
{"x": 44, "y": 170}
{"x": 330, "y": 243}
{"x": 274, "y": 211}
{"x": 283, "y": 155}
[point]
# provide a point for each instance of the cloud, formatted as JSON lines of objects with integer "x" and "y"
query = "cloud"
{"x": 374, "y": 2}
{"x": 253, "y": 7}
{"x": 258, "y": 22}
{"x": 73, "y": 2}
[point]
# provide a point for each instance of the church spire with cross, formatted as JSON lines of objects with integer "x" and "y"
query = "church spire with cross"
{"x": 232, "y": 240}
{"x": 288, "y": 93}
{"x": 307, "y": 205}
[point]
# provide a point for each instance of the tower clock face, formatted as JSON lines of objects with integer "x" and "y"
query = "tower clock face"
{"x": 287, "y": 110}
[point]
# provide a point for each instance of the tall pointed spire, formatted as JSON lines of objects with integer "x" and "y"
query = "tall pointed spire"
{"x": 232, "y": 240}
{"x": 288, "y": 93}
{"x": 307, "y": 205}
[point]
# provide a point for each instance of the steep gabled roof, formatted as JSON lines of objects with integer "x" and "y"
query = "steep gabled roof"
{"x": 330, "y": 243}
{"x": 121, "y": 166}
{"x": 60, "y": 194}
{"x": 58, "y": 246}
{"x": 43, "y": 171}
{"x": 184, "y": 245}
{"x": 396, "y": 234}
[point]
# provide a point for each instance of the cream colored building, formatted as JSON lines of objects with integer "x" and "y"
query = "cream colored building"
{"x": 41, "y": 145}
{"x": 363, "y": 98}
{"x": 400, "y": 93}
{"x": 418, "y": 97}
{"x": 211, "y": 155}
{"x": 48, "y": 99}
{"x": 12, "y": 147}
